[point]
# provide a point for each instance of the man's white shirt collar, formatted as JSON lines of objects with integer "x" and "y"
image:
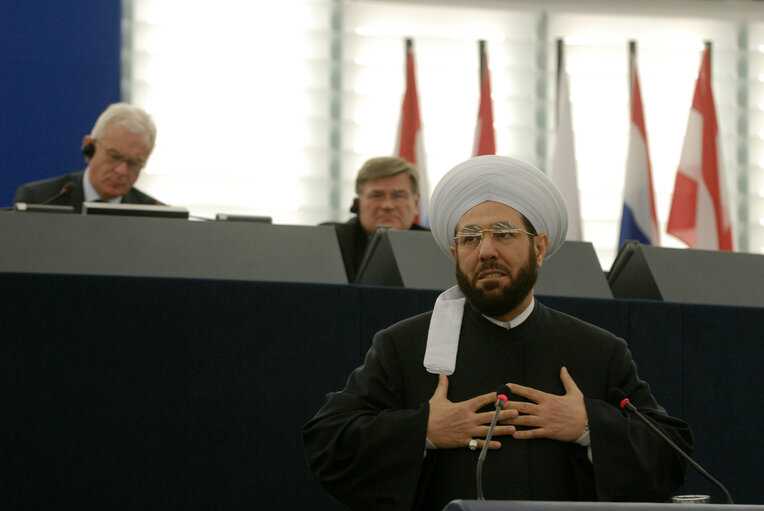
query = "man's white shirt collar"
{"x": 517, "y": 320}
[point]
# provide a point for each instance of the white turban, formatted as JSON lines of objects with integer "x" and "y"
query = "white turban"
{"x": 500, "y": 179}
{"x": 484, "y": 178}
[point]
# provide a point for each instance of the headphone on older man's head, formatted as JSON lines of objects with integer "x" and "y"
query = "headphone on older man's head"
{"x": 88, "y": 150}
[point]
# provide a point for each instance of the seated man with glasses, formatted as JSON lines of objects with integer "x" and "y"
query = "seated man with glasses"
{"x": 115, "y": 151}
{"x": 387, "y": 190}
{"x": 407, "y": 430}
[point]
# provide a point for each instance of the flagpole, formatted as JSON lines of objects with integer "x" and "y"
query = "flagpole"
{"x": 632, "y": 65}
{"x": 560, "y": 69}
{"x": 707, "y": 46}
{"x": 481, "y": 54}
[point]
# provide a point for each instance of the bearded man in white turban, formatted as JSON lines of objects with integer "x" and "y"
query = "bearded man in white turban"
{"x": 407, "y": 429}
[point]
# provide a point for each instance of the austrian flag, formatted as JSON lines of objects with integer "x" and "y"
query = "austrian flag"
{"x": 699, "y": 209}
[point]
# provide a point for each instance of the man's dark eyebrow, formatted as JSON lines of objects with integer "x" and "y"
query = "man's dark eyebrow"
{"x": 400, "y": 190}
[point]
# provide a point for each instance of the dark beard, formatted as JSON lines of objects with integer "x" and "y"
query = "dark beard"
{"x": 511, "y": 295}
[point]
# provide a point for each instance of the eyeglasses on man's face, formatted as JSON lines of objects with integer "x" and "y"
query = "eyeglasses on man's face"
{"x": 472, "y": 238}
{"x": 114, "y": 157}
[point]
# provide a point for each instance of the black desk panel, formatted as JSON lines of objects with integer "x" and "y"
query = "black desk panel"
{"x": 135, "y": 393}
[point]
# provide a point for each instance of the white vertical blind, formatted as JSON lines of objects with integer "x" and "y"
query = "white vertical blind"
{"x": 752, "y": 173}
{"x": 256, "y": 101}
{"x": 239, "y": 93}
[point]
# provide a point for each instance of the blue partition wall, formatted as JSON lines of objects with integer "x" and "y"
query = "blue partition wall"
{"x": 136, "y": 393}
{"x": 59, "y": 68}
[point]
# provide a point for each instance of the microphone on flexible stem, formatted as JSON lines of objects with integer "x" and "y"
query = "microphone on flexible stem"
{"x": 618, "y": 396}
{"x": 65, "y": 190}
{"x": 501, "y": 397}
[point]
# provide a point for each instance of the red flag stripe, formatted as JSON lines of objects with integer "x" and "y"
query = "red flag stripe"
{"x": 410, "y": 144}
{"x": 410, "y": 121}
{"x": 485, "y": 139}
{"x": 638, "y": 118}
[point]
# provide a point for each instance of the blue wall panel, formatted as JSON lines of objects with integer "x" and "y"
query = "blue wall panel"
{"x": 59, "y": 68}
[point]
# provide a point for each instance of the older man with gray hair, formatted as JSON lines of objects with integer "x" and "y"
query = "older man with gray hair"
{"x": 406, "y": 430}
{"x": 116, "y": 150}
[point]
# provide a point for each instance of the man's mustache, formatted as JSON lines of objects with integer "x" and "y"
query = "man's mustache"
{"x": 494, "y": 265}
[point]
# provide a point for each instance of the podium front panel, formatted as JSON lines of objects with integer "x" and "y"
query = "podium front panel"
{"x": 688, "y": 275}
{"x": 168, "y": 247}
{"x": 412, "y": 259}
{"x": 539, "y": 505}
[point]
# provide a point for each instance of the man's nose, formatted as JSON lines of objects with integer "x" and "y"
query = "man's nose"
{"x": 388, "y": 202}
{"x": 121, "y": 167}
{"x": 488, "y": 247}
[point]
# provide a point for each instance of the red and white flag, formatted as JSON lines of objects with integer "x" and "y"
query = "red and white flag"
{"x": 699, "y": 213}
{"x": 409, "y": 143}
{"x": 485, "y": 139}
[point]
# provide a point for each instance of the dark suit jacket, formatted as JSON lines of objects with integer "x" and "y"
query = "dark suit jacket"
{"x": 40, "y": 192}
{"x": 353, "y": 240}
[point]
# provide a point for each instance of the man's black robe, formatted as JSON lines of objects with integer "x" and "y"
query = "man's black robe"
{"x": 366, "y": 445}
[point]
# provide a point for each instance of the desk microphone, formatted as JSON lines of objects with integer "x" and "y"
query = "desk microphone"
{"x": 501, "y": 397}
{"x": 65, "y": 190}
{"x": 617, "y": 395}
